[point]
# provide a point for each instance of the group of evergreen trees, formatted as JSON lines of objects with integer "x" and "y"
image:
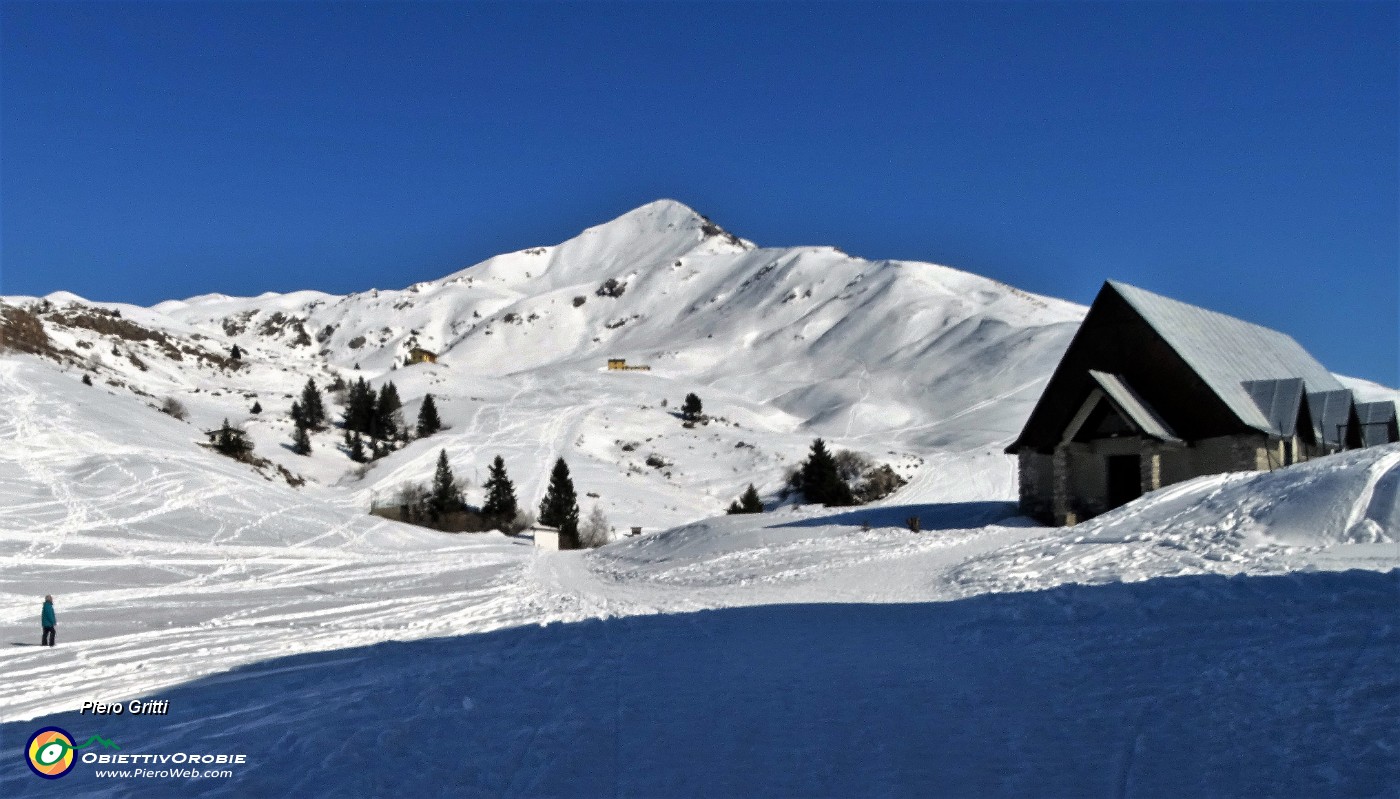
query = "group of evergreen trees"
{"x": 558, "y": 508}
{"x": 377, "y": 416}
{"x": 847, "y": 478}
{"x": 308, "y": 413}
{"x": 373, "y": 421}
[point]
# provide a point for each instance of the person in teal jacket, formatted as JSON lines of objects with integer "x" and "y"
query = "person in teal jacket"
{"x": 49, "y": 620}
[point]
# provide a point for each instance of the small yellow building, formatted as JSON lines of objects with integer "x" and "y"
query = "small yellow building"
{"x": 420, "y": 355}
{"x": 620, "y": 365}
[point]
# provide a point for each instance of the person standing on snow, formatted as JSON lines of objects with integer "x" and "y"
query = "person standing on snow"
{"x": 49, "y": 621}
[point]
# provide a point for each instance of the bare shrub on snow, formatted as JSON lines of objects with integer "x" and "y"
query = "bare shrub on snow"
{"x": 173, "y": 407}
{"x": 595, "y": 530}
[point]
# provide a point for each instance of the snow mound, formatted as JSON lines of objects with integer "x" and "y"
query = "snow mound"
{"x": 1342, "y": 509}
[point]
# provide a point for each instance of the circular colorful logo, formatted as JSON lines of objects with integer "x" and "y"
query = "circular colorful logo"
{"x": 50, "y": 752}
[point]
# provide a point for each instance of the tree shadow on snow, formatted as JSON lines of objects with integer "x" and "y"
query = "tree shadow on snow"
{"x": 1189, "y": 686}
{"x": 935, "y": 516}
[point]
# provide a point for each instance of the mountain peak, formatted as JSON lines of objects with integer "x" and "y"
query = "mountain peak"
{"x": 656, "y": 216}
{"x": 665, "y": 215}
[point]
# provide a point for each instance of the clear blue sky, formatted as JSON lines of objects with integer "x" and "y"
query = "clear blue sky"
{"x": 1240, "y": 156}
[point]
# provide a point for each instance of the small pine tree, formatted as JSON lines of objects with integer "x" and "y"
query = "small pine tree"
{"x": 231, "y": 441}
{"x": 501, "y": 507}
{"x": 235, "y": 353}
{"x": 257, "y": 407}
{"x": 313, "y": 410}
{"x": 444, "y": 497}
{"x": 559, "y": 508}
{"x": 428, "y": 421}
{"x": 749, "y": 502}
{"x": 821, "y": 481}
{"x": 298, "y": 418}
{"x": 87, "y": 379}
{"x": 301, "y": 441}
{"x": 691, "y": 410}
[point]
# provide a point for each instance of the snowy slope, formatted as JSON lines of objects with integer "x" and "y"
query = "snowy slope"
{"x": 170, "y": 562}
{"x": 716, "y": 662}
{"x": 900, "y": 360}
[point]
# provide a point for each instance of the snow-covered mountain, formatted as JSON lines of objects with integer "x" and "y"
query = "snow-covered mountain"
{"x": 903, "y": 360}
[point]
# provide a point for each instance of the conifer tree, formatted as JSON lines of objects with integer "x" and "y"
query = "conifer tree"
{"x": 87, "y": 379}
{"x": 387, "y": 414}
{"x": 313, "y": 410}
{"x": 428, "y": 421}
{"x": 301, "y": 441}
{"x": 235, "y": 353}
{"x": 359, "y": 408}
{"x": 500, "y": 507}
{"x": 691, "y": 408}
{"x": 298, "y": 418}
{"x": 444, "y": 496}
{"x": 257, "y": 407}
{"x": 821, "y": 481}
{"x": 749, "y": 502}
{"x": 559, "y": 508}
{"x": 356, "y": 445}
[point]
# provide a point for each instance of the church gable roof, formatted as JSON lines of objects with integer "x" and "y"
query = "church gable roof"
{"x": 1227, "y": 352}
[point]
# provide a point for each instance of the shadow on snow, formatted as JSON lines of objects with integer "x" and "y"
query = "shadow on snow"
{"x": 935, "y": 516}
{"x": 1189, "y": 686}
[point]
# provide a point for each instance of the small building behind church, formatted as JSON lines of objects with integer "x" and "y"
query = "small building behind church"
{"x": 1153, "y": 391}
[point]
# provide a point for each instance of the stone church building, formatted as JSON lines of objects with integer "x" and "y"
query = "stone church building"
{"x": 1152, "y": 391}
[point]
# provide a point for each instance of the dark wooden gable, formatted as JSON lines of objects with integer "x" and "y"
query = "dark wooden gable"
{"x": 1115, "y": 338}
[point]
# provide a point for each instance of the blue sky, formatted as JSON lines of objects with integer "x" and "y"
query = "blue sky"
{"x": 1240, "y": 156}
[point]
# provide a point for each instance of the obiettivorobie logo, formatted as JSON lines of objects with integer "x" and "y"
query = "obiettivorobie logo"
{"x": 49, "y": 751}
